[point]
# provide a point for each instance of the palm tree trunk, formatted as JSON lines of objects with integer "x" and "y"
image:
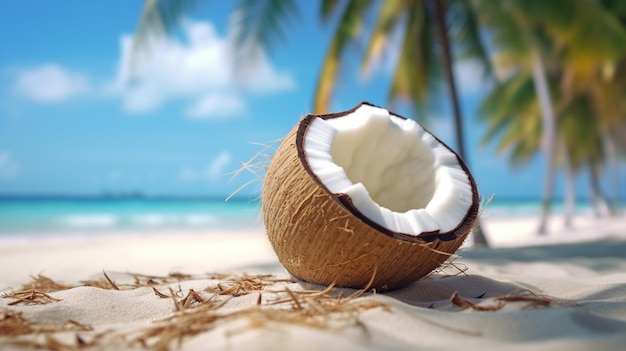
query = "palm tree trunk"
{"x": 599, "y": 201}
{"x": 440, "y": 11}
{"x": 548, "y": 122}
{"x": 570, "y": 192}
{"x": 613, "y": 163}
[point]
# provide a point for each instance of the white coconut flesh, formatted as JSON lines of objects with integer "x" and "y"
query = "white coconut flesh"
{"x": 395, "y": 172}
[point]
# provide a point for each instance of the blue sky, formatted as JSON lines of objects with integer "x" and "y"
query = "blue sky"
{"x": 70, "y": 123}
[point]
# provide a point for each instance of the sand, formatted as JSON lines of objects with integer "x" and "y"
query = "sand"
{"x": 565, "y": 291}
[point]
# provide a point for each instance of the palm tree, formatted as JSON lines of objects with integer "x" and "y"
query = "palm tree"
{"x": 513, "y": 116}
{"x": 581, "y": 131}
{"x": 594, "y": 65}
{"x": 425, "y": 44}
{"x": 515, "y": 32}
{"x": 607, "y": 88}
{"x": 256, "y": 23}
{"x": 528, "y": 34}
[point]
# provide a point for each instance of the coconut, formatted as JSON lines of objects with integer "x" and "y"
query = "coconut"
{"x": 366, "y": 198}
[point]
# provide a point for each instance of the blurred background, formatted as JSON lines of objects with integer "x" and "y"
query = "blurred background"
{"x": 135, "y": 114}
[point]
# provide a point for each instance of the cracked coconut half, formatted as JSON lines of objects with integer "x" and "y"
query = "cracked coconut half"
{"x": 366, "y": 197}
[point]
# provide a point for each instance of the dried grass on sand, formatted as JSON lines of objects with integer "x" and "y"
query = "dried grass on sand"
{"x": 194, "y": 311}
{"x": 230, "y": 303}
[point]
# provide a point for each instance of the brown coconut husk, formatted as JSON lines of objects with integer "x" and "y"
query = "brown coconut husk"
{"x": 321, "y": 238}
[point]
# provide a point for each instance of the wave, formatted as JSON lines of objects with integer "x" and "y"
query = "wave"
{"x": 95, "y": 216}
{"x": 90, "y": 220}
{"x": 152, "y": 220}
{"x": 161, "y": 219}
{"x": 200, "y": 219}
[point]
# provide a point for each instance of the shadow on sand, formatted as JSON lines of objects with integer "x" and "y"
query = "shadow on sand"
{"x": 600, "y": 249}
{"x": 435, "y": 292}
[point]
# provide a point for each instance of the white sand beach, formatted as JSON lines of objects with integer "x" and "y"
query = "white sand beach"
{"x": 564, "y": 291}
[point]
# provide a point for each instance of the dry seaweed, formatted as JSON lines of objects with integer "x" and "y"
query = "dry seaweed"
{"x": 245, "y": 284}
{"x": 43, "y": 283}
{"x": 191, "y": 297}
{"x": 159, "y": 294}
{"x": 30, "y": 297}
{"x": 49, "y": 342}
{"x": 532, "y": 300}
{"x": 143, "y": 280}
{"x": 256, "y": 165}
{"x": 113, "y": 285}
{"x": 308, "y": 308}
{"x": 195, "y": 312}
{"x": 13, "y": 323}
{"x": 449, "y": 268}
{"x": 464, "y": 303}
{"x": 47, "y": 285}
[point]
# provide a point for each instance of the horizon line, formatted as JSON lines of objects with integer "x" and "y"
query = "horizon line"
{"x": 121, "y": 196}
{"x": 208, "y": 197}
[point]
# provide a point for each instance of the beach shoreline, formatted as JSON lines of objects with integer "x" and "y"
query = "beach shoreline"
{"x": 210, "y": 250}
{"x": 82, "y": 256}
{"x": 562, "y": 291}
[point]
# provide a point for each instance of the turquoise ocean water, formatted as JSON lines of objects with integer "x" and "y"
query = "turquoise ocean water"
{"x": 65, "y": 215}
{"x": 41, "y": 216}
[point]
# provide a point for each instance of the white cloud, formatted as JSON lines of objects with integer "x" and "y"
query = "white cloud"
{"x": 9, "y": 168}
{"x": 215, "y": 169}
{"x": 216, "y": 105}
{"x": 50, "y": 83}
{"x": 199, "y": 70}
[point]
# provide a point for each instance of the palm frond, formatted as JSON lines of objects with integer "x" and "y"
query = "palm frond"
{"x": 466, "y": 34}
{"x": 523, "y": 138}
{"x": 390, "y": 16}
{"x": 159, "y": 18}
{"x": 328, "y": 8}
{"x": 509, "y": 97}
{"x": 498, "y": 19}
{"x": 618, "y": 7}
{"x": 512, "y": 115}
{"x": 581, "y": 134}
{"x": 257, "y": 24}
{"x": 418, "y": 68}
{"x": 597, "y": 37}
{"x": 348, "y": 29}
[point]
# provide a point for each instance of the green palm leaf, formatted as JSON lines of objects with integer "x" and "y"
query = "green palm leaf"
{"x": 328, "y": 7}
{"x": 160, "y": 18}
{"x": 348, "y": 29}
{"x": 258, "y": 24}
{"x": 418, "y": 67}
{"x": 390, "y": 17}
{"x": 466, "y": 30}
